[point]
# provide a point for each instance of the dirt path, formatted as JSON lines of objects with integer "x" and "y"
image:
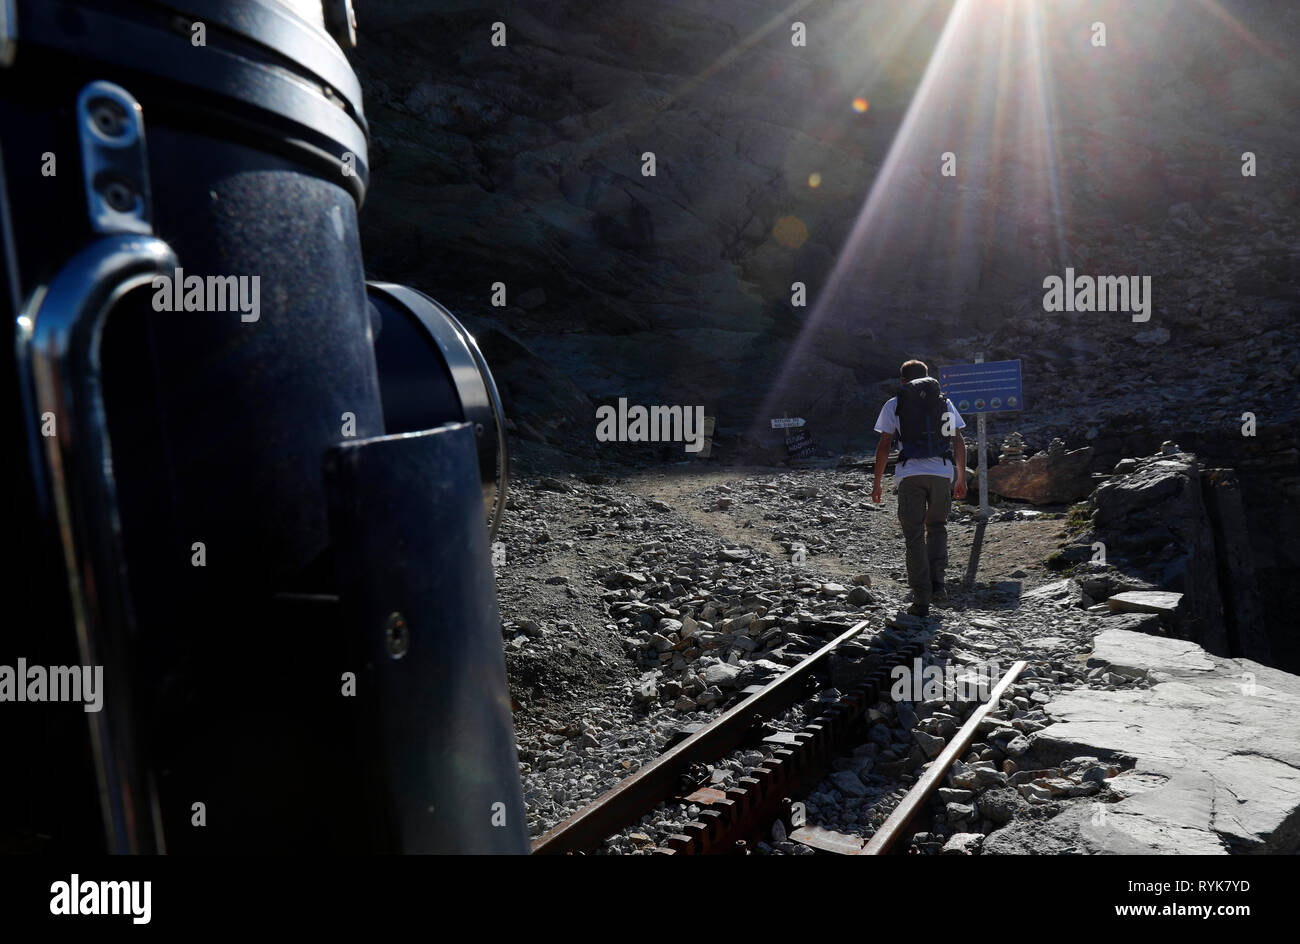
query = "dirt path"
{"x": 1012, "y": 553}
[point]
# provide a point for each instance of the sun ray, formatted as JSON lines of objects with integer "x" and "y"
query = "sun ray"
{"x": 851, "y": 252}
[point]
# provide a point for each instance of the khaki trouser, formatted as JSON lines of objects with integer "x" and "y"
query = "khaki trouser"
{"x": 923, "y": 502}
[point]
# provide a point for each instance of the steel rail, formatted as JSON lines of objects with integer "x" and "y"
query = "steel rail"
{"x": 730, "y": 821}
{"x": 897, "y": 822}
{"x": 622, "y": 804}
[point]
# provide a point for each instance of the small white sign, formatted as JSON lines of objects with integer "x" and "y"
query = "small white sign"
{"x": 787, "y": 422}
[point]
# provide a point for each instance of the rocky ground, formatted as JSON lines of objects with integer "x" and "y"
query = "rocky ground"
{"x": 633, "y": 605}
{"x": 637, "y": 604}
{"x": 1208, "y": 747}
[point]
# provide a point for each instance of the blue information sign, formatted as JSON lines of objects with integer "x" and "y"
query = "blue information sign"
{"x": 991, "y": 387}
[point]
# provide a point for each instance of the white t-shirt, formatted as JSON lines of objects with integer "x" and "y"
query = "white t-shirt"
{"x": 887, "y": 422}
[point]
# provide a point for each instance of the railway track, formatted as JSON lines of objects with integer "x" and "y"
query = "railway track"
{"x": 730, "y": 820}
{"x": 899, "y": 823}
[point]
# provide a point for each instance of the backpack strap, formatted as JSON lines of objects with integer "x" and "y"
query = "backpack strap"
{"x": 947, "y": 453}
{"x": 898, "y": 421}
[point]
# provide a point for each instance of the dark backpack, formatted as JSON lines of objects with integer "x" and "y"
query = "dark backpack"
{"x": 920, "y": 410}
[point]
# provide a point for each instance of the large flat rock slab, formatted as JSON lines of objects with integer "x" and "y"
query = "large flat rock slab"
{"x": 1124, "y": 650}
{"x": 1145, "y": 601}
{"x": 1215, "y": 746}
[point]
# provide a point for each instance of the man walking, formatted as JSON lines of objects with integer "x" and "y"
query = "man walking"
{"x": 931, "y": 469}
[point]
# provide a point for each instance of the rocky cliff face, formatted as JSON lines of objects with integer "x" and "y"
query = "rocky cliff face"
{"x": 1174, "y": 522}
{"x": 523, "y": 164}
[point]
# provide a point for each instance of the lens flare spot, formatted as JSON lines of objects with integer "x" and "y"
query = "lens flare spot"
{"x": 790, "y": 232}
{"x": 814, "y": 180}
{"x": 860, "y": 105}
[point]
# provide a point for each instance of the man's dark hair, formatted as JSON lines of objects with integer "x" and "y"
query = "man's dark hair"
{"x": 912, "y": 370}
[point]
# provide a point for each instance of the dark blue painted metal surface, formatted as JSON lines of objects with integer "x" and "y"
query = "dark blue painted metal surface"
{"x": 256, "y": 155}
{"x": 412, "y": 557}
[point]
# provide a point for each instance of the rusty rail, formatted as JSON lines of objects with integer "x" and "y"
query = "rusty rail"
{"x": 658, "y": 780}
{"x": 730, "y": 821}
{"x": 895, "y": 826}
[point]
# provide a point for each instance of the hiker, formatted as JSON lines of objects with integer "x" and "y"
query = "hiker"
{"x": 919, "y": 417}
